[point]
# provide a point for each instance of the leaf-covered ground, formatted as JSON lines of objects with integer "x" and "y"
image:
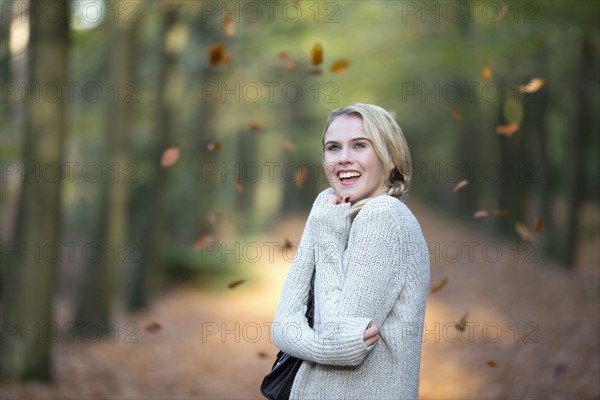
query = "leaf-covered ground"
{"x": 530, "y": 330}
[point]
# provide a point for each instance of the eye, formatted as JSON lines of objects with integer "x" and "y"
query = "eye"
{"x": 332, "y": 147}
{"x": 359, "y": 145}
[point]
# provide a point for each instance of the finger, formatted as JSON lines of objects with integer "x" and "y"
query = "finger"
{"x": 370, "y": 333}
{"x": 333, "y": 199}
{"x": 371, "y": 341}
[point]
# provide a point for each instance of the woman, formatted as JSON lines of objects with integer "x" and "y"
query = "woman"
{"x": 372, "y": 269}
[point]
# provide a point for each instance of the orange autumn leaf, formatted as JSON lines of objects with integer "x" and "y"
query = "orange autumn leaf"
{"x": 502, "y": 13}
{"x": 462, "y": 323}
{"x": 169, "y": 157}
{"x": 486, "y": 73}
{"x": 339, "y": 66}
{"x": 460, "y": 185}
{"x": 524, "y": 232}
{"x": 492, "y": 364}
{"x": 287, "y": 60}
{"x": 533, "y": 86}
{"x": 300, "y": 177}
{"x": 255, "y": 128}
{"x": 456, "y": 114}
{"x": 501, "y": 212}
{"x": 289, "y": 146}
{"x": 538, "y": 224}
{"x": 217, "y": 55}
{"x": 239, "y": 185}
{"x": 203, "y": 240}
{"x": 480, "y": 214}
{"x": 316, "y": 54}
{"x": 214, "y": 147}
{"x": 153, "y": 327}
{"x": 507, "y": 129}
{"x": 228, "y": 26}
{"x": 234, "y": 284}
{"x": 438, "y": 286}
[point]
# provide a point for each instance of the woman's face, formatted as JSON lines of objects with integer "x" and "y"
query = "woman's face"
{"x": 351, "y": 164}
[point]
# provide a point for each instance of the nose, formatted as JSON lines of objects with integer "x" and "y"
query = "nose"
{"x": 345, "y": 156}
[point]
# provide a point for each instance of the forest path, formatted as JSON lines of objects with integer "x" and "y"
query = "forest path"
{"x": 538, "y": 324}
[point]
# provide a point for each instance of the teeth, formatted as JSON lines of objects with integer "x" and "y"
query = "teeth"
{"x": 345, "y": 175}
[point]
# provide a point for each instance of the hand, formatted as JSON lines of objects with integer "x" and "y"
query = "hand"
{"x": 335, "y": 199}
{"x": 371, "y": 335}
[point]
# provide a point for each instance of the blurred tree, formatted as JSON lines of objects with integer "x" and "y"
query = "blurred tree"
{"x": 101, "y": 278}
{"x": 4, "y": 44}
{"x": 576, "y": 160}
{"x": 147, "y": 274}
{"x": 29, "y": 283}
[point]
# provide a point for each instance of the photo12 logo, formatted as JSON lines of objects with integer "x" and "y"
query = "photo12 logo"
{"x": 271, "y": 92}
{"x": 270, "y": 11}
{"x": 82, "y": 14}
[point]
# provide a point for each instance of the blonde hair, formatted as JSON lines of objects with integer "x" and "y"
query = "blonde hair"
{"x": 389, "y": 144}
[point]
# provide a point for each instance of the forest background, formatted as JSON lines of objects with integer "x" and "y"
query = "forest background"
{"x": 157, "y": 147}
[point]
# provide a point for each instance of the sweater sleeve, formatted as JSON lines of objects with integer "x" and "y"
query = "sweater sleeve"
{"x": 339, "y": 341}
{"x": 386, "y": 242}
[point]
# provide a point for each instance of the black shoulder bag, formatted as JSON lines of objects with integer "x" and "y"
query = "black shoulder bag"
{"x": 277, "y": 385}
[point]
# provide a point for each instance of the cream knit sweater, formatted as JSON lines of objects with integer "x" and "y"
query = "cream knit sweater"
{"x": 375, "y": 269}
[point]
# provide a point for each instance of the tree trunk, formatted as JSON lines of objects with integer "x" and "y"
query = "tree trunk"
{"x": 100, "y": 283}
{"x": 29, "y": 283}
{"x": 577, "y": 146}
{"x": 146, "y": 279}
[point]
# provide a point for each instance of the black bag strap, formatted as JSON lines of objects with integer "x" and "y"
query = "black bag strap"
{"x": 310, "y": 305}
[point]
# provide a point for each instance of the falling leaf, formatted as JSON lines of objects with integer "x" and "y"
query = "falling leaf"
{"x": 456, "y": 114}
{"x": 439, "y": 285}
{"x": 214, "y": 147}
{"x": 560, "y": 369}
{"x": 262, "y": 354}
{"x": 460, "y": 185}
{"x": 203, "y": 240}
{"x": 301, "y": 177}
{"x": 462, "y": 323}
{"x": 339, "y": 66}
{"x": 533, "y": 86}
{"x": 287, "y": 60}
{"x": 289, "y": 146}
{"x": 502, "y": 13}
{"x": 234, "y": 284}
{"x": 153, "y": 327}
{"x": 501, "y": 212}
{"x": 239, "y": 185}
{"x": 492, "y": 364}
{"x": 255, "y": 128}
{"x": 218, "y": 55}
{"x": 538, "y": 224}
{"x": 524, "y": 232}
{"x": 486, "y": 73}
{"x": 228, "y": 26}
{"x": 287, "y": 244}
{"x": 316, "y": 54}
{"x": 480, "y": 214}
{"x": 507, "y": 129}
{"x": 169, "y": 157}
{"x": 212, "y": 219}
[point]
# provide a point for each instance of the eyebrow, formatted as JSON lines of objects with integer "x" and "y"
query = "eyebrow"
{"x": 352, "y": 140}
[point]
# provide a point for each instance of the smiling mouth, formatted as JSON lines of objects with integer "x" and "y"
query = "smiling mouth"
{"x": 349, "y": 177}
